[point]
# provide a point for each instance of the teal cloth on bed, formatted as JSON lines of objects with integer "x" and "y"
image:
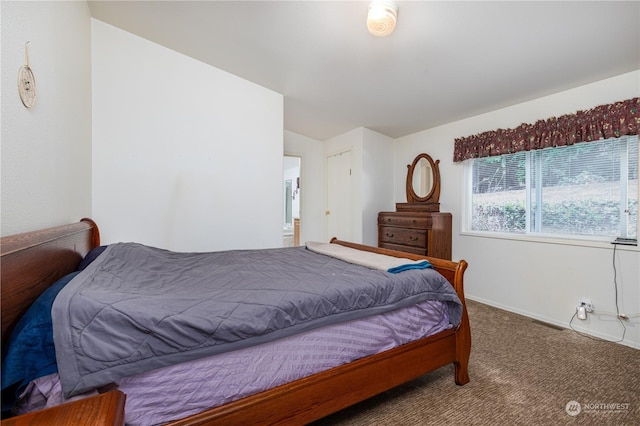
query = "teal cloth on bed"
{"x": 420, "y": 265}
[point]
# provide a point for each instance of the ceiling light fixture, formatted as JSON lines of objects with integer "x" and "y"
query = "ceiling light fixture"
{"x": 381, "y": 19}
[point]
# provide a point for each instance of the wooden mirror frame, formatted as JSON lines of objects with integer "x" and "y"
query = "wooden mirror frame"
{"x": 434, "y": 195}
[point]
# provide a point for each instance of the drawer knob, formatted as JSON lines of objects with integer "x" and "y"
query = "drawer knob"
{"x": 389, "y": 235}
{"x": 413, "y": 238}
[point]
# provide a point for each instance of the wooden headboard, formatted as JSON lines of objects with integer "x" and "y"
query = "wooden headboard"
{"x": 33, "y": 261}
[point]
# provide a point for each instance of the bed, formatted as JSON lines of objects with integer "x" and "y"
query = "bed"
{"x": 31, "y": 262}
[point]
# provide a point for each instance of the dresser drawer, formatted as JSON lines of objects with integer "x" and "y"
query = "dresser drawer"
{"x": 407, "y": 249}
{"x": 403, "y": 236}
{"x": 405, "y": 221}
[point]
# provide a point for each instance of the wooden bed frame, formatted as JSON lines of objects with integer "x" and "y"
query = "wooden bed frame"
{"x": 32, "y": 261}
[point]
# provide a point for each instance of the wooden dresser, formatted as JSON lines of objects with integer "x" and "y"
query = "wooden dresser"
{"x": 424, "y": 233}
{"x": 418, "y": 226}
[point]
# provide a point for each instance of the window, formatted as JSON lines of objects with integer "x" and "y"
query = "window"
{"x": 582, "y": 190}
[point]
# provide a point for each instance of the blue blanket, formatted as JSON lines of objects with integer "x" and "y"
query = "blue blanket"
{"x": 30, "y": 351}
{"x": 408, "y": 266}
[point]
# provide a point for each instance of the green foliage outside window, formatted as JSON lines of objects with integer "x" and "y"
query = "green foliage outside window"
{"x": 588, "y": 189}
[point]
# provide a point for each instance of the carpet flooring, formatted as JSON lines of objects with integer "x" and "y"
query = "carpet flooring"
{"x": 523, "y": 372}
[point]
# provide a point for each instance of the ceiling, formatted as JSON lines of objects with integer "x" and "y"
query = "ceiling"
{"x": 445, "y": 61}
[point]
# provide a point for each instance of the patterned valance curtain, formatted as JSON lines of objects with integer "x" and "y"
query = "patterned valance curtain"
{"x": 602, "y": 122}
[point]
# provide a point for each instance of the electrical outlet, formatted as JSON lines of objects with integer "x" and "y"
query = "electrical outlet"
{"x": 587, "y": 304}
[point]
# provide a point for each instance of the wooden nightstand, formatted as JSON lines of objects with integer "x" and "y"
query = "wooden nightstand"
{"x": 106, "y": 409}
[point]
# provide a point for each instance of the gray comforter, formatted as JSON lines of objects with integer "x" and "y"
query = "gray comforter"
{"x": 137, "y": 308}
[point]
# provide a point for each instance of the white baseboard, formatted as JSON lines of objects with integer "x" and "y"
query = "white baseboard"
{"x": 603, "y": 336}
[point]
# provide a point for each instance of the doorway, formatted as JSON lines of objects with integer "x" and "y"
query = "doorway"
{"x": 291, "y": 202}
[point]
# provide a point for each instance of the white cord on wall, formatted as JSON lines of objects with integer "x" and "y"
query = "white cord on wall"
{"x": 619, "y": 316}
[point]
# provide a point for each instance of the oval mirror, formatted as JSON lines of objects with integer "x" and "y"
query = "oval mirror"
{"x": 423, "y": 180}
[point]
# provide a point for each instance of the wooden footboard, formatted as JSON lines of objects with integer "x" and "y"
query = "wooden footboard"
{"x": 454, "y": 273}
{"x": 33, "y": 261}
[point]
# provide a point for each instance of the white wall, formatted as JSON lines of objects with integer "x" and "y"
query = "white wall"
{"x": 377, "y": 182}
{"x": 372, "y": 177}
{"x": 540, "y": 279}
{"x": 186, "y": 156}
{"x": 312, "y": 195}
{"x": 46, "y": 150}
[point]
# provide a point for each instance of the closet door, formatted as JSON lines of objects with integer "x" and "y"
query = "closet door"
{"x": 339, "y": 211}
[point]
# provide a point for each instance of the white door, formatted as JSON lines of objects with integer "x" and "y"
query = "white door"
{"x": 339, "y": 211}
